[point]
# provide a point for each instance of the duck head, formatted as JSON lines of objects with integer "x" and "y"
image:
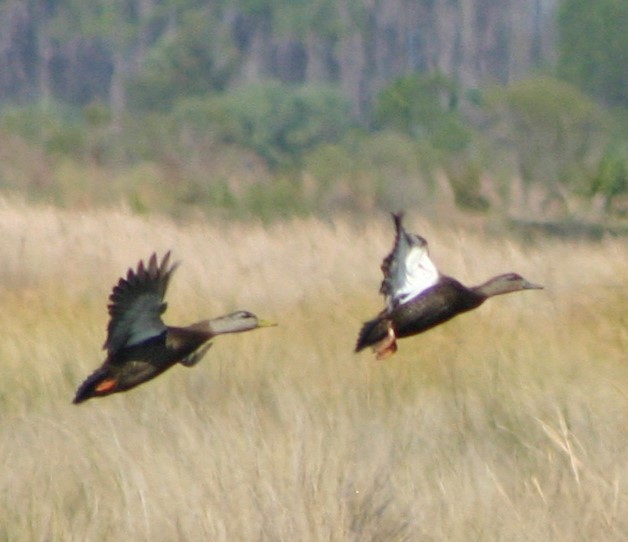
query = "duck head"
{"x": 237, "y": 322}
{"x": 504, "y": 284}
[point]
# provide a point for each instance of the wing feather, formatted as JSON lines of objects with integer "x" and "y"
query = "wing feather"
{"x": 137, "y": 303}
{"x": 408, "y": 269}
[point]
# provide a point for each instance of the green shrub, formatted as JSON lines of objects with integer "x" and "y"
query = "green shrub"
{"x": 464, "y": 177}
{"x": 610, "y": 179}
{"x": 424, "y": 107}
{"x": 198, "y": 59}
{"x": 552, "y": 130}
{"x": 592, "y": 45}
{"x": 59, "y": 130}
{"x": 277, "y": 121}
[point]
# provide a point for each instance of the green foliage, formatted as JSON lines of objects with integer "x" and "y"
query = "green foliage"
{"x": 277, "y": 121}
{"x": 329, "y": 162}
{"x": 272, "y": 150}
{"x": 464, "y": 176}
{"x": 297, "y": 17}
{"x": 386, "y": 169}
{"x": 97, "y": 115}
{"x": 552, "y": 128}
{"x": 451, "y": 134}
{"x": 593, "y": 44}
{"x": 411, "y": 104}
{"x": 423, "y": 106}
{"x": 59, "y": 130}
{"x": 184, "y": 64}
{"x": 611, "y": 176}
{"x": 113, "y": 21}
{"x": 280, "y": 199}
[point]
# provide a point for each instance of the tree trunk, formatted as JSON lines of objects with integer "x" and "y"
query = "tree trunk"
{"x": 117, "y": 90}
{"x": 45, "y": 51}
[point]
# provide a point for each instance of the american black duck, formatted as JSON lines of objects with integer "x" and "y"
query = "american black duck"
{"x": 419, "y": 297}
{"x": 139, "y": 345}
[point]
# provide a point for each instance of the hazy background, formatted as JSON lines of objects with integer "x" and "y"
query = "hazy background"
{"x": 251, "y": 108}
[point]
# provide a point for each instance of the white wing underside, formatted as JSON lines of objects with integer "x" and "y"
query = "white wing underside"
{"x": 413, "y": 273}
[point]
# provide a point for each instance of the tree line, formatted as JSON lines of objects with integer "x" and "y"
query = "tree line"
{"x": 529, "y": 83}
{"x": 77, "y": 51}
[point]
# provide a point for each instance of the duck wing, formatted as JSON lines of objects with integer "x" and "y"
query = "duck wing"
{"x": 137, "y": 303}
{"x": 408, "y": 269}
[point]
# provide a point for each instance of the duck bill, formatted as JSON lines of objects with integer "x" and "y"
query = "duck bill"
{"x": 266, "y": 323}
{"x": 532, "y": 286}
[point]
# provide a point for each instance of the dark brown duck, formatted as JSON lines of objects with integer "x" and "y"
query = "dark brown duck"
{"x": 419, "y": 297}
{"x": 139, "y": 345}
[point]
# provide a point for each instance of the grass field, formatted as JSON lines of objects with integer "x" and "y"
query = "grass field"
{"x": 509, "y": 423}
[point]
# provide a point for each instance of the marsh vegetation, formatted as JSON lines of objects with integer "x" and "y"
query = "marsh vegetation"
{"x": 504, "y": 424}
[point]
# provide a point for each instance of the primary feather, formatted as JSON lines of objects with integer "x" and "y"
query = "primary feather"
{"x": 137, "y": 303}
{"x": 408, "y": 269}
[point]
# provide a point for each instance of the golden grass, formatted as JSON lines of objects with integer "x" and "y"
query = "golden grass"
{"x": 505, "y": 424}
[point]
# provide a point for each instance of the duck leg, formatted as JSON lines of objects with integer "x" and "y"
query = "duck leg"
{"x": 387, "y": 346}
{"x": 195, "y": 357}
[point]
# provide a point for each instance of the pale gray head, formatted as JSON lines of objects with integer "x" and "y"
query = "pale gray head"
{"x": 236, "y": 322}
{"x": 504, "y": 284}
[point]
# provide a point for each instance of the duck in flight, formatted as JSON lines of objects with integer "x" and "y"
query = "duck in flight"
{"x": 139, "y": 345}
{"x": 418, "y": 297}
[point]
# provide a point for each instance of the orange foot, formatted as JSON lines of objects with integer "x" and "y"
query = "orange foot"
{"x": 387, "y": 346}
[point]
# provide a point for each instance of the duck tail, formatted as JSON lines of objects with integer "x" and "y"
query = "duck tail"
{"x": 372, "y": 332}
{"x": 100, "y": 382}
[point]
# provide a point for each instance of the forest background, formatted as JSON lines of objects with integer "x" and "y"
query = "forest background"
{"x": 251, "y": 108}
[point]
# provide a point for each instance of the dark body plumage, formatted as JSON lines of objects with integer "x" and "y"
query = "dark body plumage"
{"x": 139, "y": 345}
{"x": 434, "y": 304}
{"x": 433, "y": 307}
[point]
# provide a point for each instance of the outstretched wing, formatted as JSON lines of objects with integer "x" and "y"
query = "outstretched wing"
{"x": 408, "y": 269}
{"x": 137, "y": 303}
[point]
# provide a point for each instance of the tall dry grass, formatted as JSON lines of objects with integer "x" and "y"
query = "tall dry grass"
{"x": 505, "y": 424}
